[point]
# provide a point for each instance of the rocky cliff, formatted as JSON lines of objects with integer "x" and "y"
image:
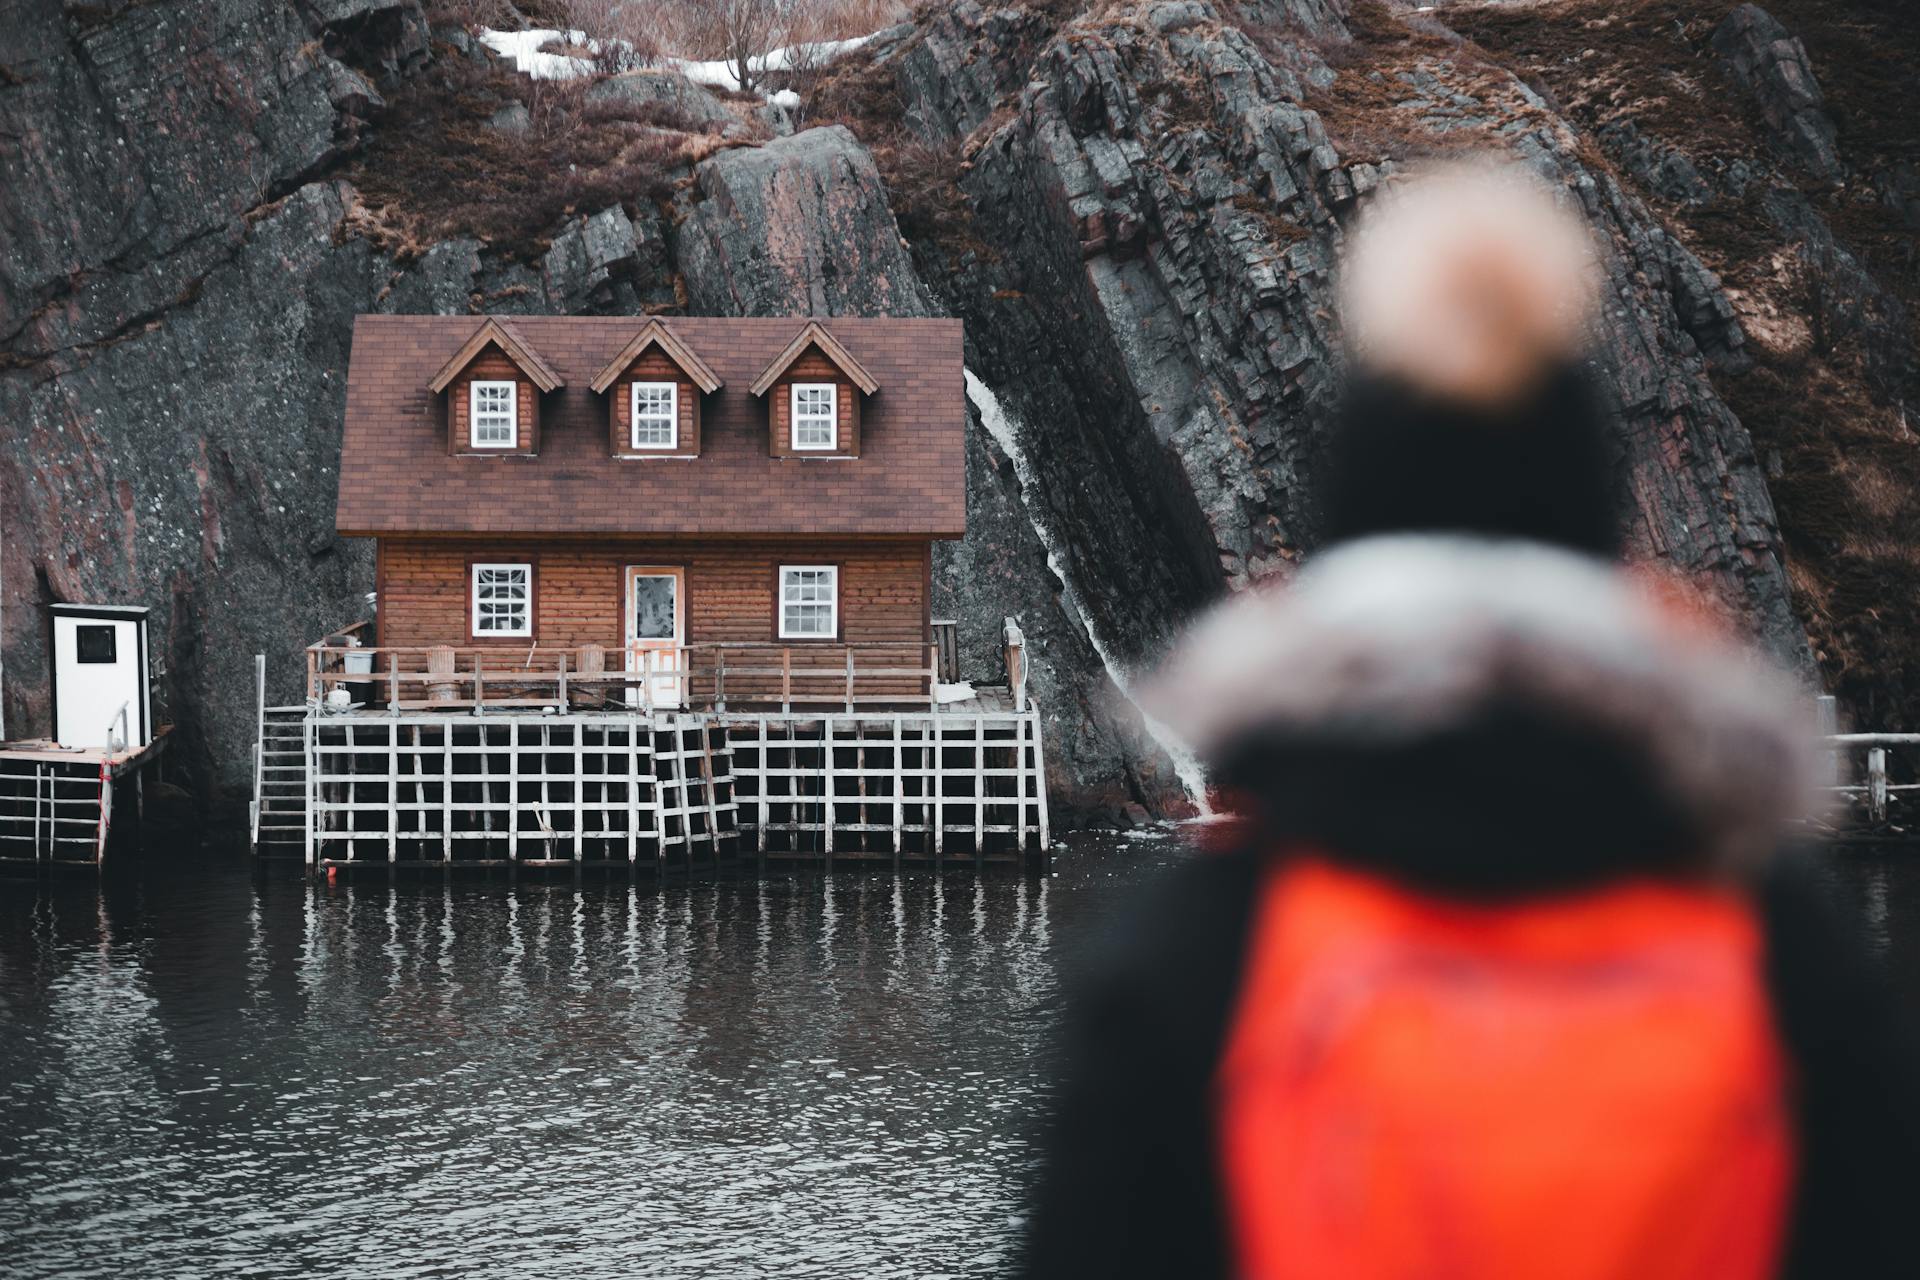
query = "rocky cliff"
{"x": 1137, "y": 210}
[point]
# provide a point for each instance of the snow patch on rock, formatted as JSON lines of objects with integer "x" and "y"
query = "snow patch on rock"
{"x": 523, "y": 49}
{"x": 720, "y": 73}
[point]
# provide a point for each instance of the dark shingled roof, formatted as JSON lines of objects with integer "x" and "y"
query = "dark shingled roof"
{"x": 396, "y": 475}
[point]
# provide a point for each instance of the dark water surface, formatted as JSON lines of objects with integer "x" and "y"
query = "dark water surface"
{"x": 217, "y": 1071}
{"x": 214, "y": 1071}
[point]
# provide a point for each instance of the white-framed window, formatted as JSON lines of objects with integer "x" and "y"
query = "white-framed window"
{"x": 656, "y": 415}
{"x": 809, "y": 601}
{"x": 815, "y": 415}
{"x": 502, "y": 600}
{"x": 493, "y": 420}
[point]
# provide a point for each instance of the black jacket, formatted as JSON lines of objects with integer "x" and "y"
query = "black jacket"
{"x": 1130, "y": 1184}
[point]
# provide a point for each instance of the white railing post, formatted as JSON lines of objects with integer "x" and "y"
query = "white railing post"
{"x": 1016, "y": 664}
{"x": 259, "y": 744}
{"x": 1877, "y": 784}
{"x": 1826, "y": 710}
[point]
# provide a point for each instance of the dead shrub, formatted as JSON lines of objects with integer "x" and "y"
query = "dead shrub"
{"x": 437, "y": 168}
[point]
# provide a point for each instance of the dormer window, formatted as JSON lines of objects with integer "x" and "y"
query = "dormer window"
{"x": 492, "y": 414}
{"x": 656, "y": 415}
{"x": 815, "y": 415}
{"x": 814, "y": 390}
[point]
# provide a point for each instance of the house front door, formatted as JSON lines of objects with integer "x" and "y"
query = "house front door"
{"x": 656, "y": 634}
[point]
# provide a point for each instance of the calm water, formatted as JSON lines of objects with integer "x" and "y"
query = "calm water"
{"x": 218, "y": 1072}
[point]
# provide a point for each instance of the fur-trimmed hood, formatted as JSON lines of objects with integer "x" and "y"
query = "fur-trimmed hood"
{"x": 1490, "y": 715}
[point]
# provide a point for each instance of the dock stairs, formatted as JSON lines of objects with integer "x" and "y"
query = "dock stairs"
{"x": 279, "y": 810}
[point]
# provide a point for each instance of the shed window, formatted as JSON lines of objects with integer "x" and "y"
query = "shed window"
{"x": 94, "y": 644}
{"x": 492, "y": 421}
{"x": 656, "y": 421}
{"x": 502, "y": 600}
{"x": 809, "y": 601}
{"x": 814, "y": 417}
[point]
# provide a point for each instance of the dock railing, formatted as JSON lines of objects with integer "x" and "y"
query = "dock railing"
{"x": 745, "y": 675}
{"x": 1857, "y": 770}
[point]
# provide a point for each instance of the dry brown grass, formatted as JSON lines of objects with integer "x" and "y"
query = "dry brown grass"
{"x": 1823, "y": 402}
{"x": 922, "y": 180}
{"x": 436, "y": 168}
{"x": 1362, "y": 109}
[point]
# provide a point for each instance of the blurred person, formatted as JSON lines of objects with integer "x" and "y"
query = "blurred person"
{"x": 1498, "y": 969}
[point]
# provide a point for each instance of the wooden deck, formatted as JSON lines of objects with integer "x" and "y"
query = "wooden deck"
{"x": 810, "y": 678}
{"x": 117, "y": 763}
{"x": 56, "y": 803}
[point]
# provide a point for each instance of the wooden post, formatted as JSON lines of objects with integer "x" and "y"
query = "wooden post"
{"x": 760, "y": 837}
{"x": 849, "y": 679}
{"x": 826, "y": 812}
{"x": 786, "y": 680}
{"x": 38, "y": 770}
{"x": 1016, "y": 665}
{"x": 1040, "y": 789}
{"x": 719, "y": 679}
{"x": 579, "y": 779}
{"x": 860, "y": 774}
{"x": 259, "y": 743}
{"x": 713, "y": 794}
{"x": 393, "y": 683}
{"x": 1826, "y": 710}
{"x": 1020, "y": 785}
{"x": 560, "y": 689}
{"x": 979, "y": 792}
{"x": 633, "y": 791}
{"x": 1877, "y": 784}
{"x": 393, "y": 778}
{"x": 936, "y": 782}
{"x": 899, "y": 801}
{"x": 103, "y": 824}
{"x": 309, "y": 788}
{"x": 479, "y": 685}
{"x": 933, "y": 677}
{"x": 446, "y": 785}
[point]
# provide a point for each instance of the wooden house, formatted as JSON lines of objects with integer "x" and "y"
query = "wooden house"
{"x": 556, "y": 482}
{"x": 633, "y": 526}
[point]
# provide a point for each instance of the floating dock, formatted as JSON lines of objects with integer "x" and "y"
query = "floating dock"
{"x": 57, "y": 803}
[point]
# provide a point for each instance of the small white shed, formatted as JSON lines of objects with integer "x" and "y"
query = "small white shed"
{"x": 101, "y": 691}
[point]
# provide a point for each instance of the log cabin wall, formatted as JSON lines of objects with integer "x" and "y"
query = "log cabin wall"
{"x": 654, "y": 365}
{"x": 492, "y": 365}
{"x": 579, "y": 593}
{"x": 813, "y": 366}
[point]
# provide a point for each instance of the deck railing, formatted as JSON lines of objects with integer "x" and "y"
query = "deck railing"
{"x": 845, "y": 677}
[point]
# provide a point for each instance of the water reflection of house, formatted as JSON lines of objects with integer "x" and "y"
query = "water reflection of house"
{"x": 652, "y": 589}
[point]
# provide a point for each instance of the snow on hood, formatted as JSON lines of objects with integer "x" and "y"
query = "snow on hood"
{"x": 1385, "y": 640}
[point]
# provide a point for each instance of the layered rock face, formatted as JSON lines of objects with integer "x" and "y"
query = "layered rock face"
{"x": 1156, "y": 216}
{"x": 1139, "y": 214}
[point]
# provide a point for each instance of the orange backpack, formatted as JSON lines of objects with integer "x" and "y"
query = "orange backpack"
{"x": 1583, "y": 1088}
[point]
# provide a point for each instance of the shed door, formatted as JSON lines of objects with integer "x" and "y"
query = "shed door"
{"x": 98, "y": 670}
{"x": 656, "y": 633}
